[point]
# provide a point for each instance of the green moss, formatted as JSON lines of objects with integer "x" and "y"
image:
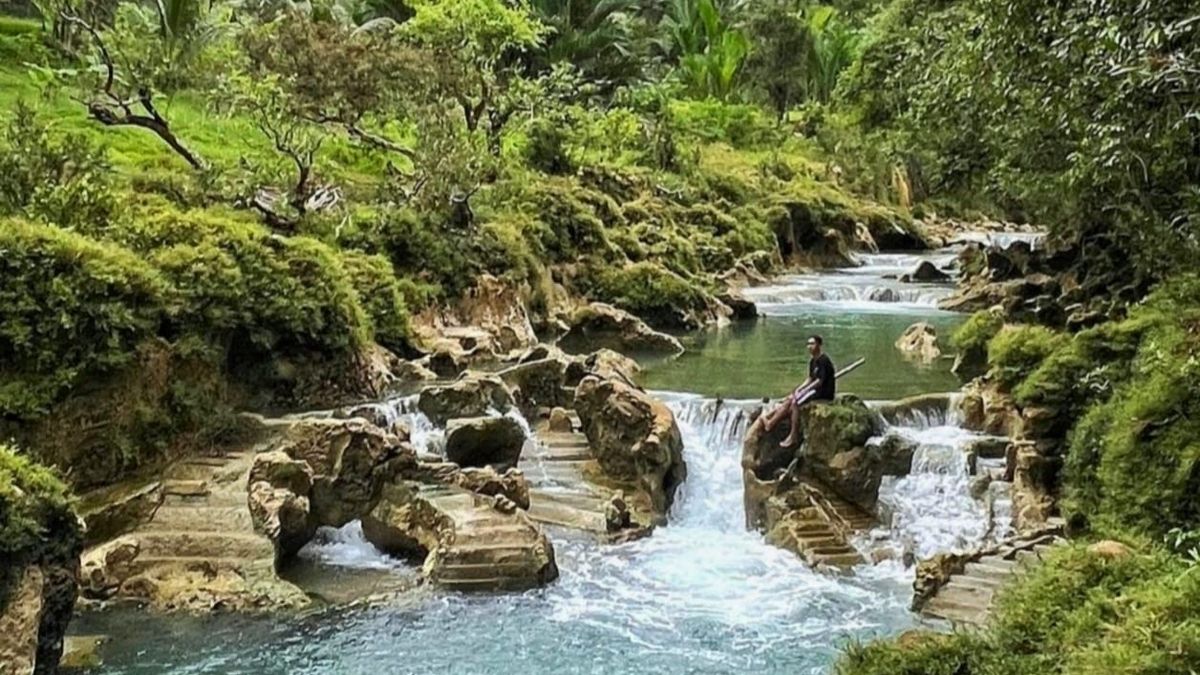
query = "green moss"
{"x": 382, "y": 296}
{"x": 1015, "y": 351}
{"x": 37, "y": 523}
{"x": 662, "y": 298}
{"x": 977, "y": 331}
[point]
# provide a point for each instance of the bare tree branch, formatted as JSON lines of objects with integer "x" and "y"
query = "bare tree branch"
{"x": 116, "y": 111}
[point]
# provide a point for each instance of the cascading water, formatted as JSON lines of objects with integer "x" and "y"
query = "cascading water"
{"x": 702, "y": 595}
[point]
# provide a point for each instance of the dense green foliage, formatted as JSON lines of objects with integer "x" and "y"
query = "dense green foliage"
{"x": 1079, "y": 115}
{"x": 1015, "y": 351}
{"x": 1078, "y": 613}
{"x": 37, "y": 523}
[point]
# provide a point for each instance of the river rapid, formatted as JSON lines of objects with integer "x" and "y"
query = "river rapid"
{"x": 701, "y": 595}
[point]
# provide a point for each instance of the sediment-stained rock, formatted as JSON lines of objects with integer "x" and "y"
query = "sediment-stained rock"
{"x": 920, "y": 341}
{"x": 633, "y": 437}
{"x": 350, "y": 459}
{"x": 472, "y": 396}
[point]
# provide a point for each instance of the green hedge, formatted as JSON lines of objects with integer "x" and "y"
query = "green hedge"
{"x": 68, "y": 304}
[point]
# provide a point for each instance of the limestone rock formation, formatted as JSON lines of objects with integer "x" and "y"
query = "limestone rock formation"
{"x": 833, "y": 449}
{"x": 600, "y": 325}
{"x": 986, "y": 408}
{"x": 633, "y": 437}
{"x": 560, "y": 421}
{"x": 895, "y": 454}
{"x": 741, "y": 307}
{"x": 610, "y": 365}
{"x": 920, "y": 341}
{"x": 539, "y": 383}
{"x": 484, "y": 481}
{"x": 39, "y": 568}
{"x": 464, "y": 541}
{"x": 278, "y": 501}
{"x": 471, "y": 396}
{"x": 485, "y": 441}
{"x": 349, "y": 459}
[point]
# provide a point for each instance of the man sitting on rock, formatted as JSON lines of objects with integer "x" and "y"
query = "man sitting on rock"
{"x": 819, "y": 386}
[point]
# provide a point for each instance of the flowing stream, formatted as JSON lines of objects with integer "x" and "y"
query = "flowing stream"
{"x": 701, "y": 595}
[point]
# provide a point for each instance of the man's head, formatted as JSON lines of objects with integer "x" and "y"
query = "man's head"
{"x": 814, "y": 344}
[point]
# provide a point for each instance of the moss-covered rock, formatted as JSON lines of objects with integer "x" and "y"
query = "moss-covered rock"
{"x": 40, "y": 543}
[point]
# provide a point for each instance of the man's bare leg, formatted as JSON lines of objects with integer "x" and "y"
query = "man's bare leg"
{"x": 791, "y": 437}
{"x": 777, "y": 414}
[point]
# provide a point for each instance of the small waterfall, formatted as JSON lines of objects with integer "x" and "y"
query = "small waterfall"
{"x": 347, "y": 547}
{"x": 940, "y": 506}
{"x": 923, "y": 412}
{"x": 712, "y": 429}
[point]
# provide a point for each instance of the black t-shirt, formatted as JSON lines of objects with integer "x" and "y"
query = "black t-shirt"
{"x": 821, "y": 368}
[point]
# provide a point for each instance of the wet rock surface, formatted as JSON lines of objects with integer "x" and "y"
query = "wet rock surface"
{"x": 485, "y": 441}
{"x": 472, "y": 396}
{"x": 633, "y": 437}
{"x": 920, "y": 341}
{"x": 463, "y": 540}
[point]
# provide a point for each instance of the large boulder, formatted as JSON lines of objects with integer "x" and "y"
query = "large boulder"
{"x": 599, "y": 325}
{"x": 741, "y": 308}
{"x": 350, "y": 459}
{"x": 896, "y": 453}
{"x": 110, "y": 512}
{"x": 919, "y": 341}
{"x": 926, "y": 271}
{"x": 609, "y": 365}
{"x": 485, "y": 441}
{"x": 633, "y": 437}
{"x": 472, "y": 396}
{"x": 833, "y": 449}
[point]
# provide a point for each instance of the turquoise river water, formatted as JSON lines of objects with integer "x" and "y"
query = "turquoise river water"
{"x": 702, "y": 595}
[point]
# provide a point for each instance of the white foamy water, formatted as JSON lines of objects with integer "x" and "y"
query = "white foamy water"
{"x": 873, "y": 286}
{"x": 347, "y": 547}
{"x": 932, "y": 509}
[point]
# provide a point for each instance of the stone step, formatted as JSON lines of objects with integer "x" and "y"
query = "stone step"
{"x": 813, "y": 542}
{"x": 167, "y": 543}
{"x": 186, "y": 488}
{"x": 957, "y": 586}
{"x": 474, "y": 571}
{"x": 487, "y": 584}
{"x": 550, "y": 512}
{"x": 563, "y": 455}
{"x": 481, "y": 535}
{"x": 812, "y": 526}
{"x": 993, "y": 582}
{"x": 955, "y": 612}
{"x": 843, "y": 560}
{"x": 587, "y": 502}
{"x": 494, "y": 555}
{"x": 201, "y": 518}
{"x": 994, "y": 566}
{"x": 833, "y": 549}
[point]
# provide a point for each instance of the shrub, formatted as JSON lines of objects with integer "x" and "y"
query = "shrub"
{"x": 1015, "y": 351}
{"x": 382, "y": 296}
{"x": 739, "y": 125}
{"x": 37, "y": 524}
{"x": 68, "y": 305}
{"x": 662, "y": 298}
{"x": 1077, "y": 613}
{"x": 977, "y": 331}
{"x": 64, "y": 181}
{"x": 231, "y": 278}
